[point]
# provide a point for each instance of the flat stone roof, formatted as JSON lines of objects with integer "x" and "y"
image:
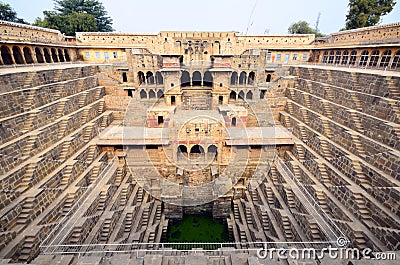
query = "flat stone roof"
{"x": 231, "y": 107}
{"x": 258, "y": 136}
{"x": 118, "y": 135}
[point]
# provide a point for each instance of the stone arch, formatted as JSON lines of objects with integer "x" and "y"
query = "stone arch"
{"x": 234, "y": 78}
{"x": 152, "y": 94}
{"x": 396, "y": 61}
{"x": 337, "y": 57}
{"x": 182, "y": 151}
{"x": 160, "y": 94}
{"x": 54, "y": 55}
{"x": 373, "y": 60}
{"x": 241, "y": 94}
{"x": 39, "y": 55}
{"x": 17, "y": 55}
{"x": 385, "y": 59}
{"x": 252, "y": 77}
{"x": 268, "y": 79}
{"x": 143, "y": 94}
{"x": 159, "y": 78}
{"x": 141, "y": 77}
{"x": 364, "y": 58}
{"x": 196, "y": 78}
{"x": 345, "y": 57}
{"x": 208, "y": 79}
{"x": 6, "y": 55}
{"x": 27, "y": 55}
{"x": 196, "y": 151}
{"x": 66, "y": 54}
{"x": 185, "y": 79}
{"x": 212, "y": 152}
{"x": 47, "y": 56}
{"x": 60, "y": 56}
{"x": 249, "y": 95}
{"x": 150, "y": 77}
{"x": 242, "y": 78}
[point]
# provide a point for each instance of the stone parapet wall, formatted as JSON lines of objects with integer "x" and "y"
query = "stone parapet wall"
{"x": 382, "y": 34}
{"x": 25, "y": 33}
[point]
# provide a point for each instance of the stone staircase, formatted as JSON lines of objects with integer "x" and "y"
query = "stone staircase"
{"x": 27, "y": 210}
{"x": 362, "y": 207}
{"x": 287, "y": 228}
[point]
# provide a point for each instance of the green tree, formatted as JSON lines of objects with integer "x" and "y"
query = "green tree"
{"x": 71, "y": 16}
{"x": 302, "y": 27}
{"x": 7, "y": 13}
{"x": 365, "y": 13}
{"x": 69, "y": 23}
{"x": 93, "y": 7}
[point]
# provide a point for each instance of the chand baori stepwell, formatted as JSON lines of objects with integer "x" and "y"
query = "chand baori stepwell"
{"x": 108, "y": 138}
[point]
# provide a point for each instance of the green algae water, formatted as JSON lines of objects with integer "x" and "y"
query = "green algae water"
{"x": 199, "y": 229}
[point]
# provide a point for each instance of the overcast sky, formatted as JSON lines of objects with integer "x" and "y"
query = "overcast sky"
{"x": 245, "y": 16}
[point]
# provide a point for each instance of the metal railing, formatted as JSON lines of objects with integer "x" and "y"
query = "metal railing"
{"x": 351, "y": 66}
{"x": 58, "y": 234}
{"x": 333, "y": 231}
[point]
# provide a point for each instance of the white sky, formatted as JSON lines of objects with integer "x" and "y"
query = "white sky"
{"x": 153, "y": 16}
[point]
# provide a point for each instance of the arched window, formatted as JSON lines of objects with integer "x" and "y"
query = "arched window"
{"x": 331, "y": 57}
{"x": 66, "y": 54}
{"x": 47, "y": 55}
{"x": 196, "y": 79}
{"x": 241, "y": 94}
{"x": 152, "y": 94}
{"x": 232, "y": 95}
{"x": 150, "y": 77}
{"x": 143, "y": 94}
{"x": 353, "y": 57}
{"x": 364, "y": 58}
{"x": 28, "y": 55}
{"x": 185, "y": 79}
{"x": 208, "y": 79}
{"x": 338, "y": 56}
{"x": 39, "y": 55}
{"x": 249, "y": 95}
{"x": 242, "y": 78}
{"x": 234, "y": 121}
{"x": 141, "y": 77}
{"x": 6, "y": 55}
{"x": 385, "y": 58}
{"x": 54, "y": 55}
{"x": 160, "y": 94}
{"x": 373, "y": 61}
{"x": 345, "y": 57}
{"x": 18, "y": 55}
{"x": 325, "y": 57}
{"x": 234, "y": 78}
{"x": 252, "y": 76}
{"x": 268, "y": 78}
{"x": 396, "y": 61}
{"x": 60, "y": 55}
{"x": 160, "y": 79}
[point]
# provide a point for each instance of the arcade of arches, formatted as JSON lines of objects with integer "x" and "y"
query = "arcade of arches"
{"x": 18, "y": 54}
